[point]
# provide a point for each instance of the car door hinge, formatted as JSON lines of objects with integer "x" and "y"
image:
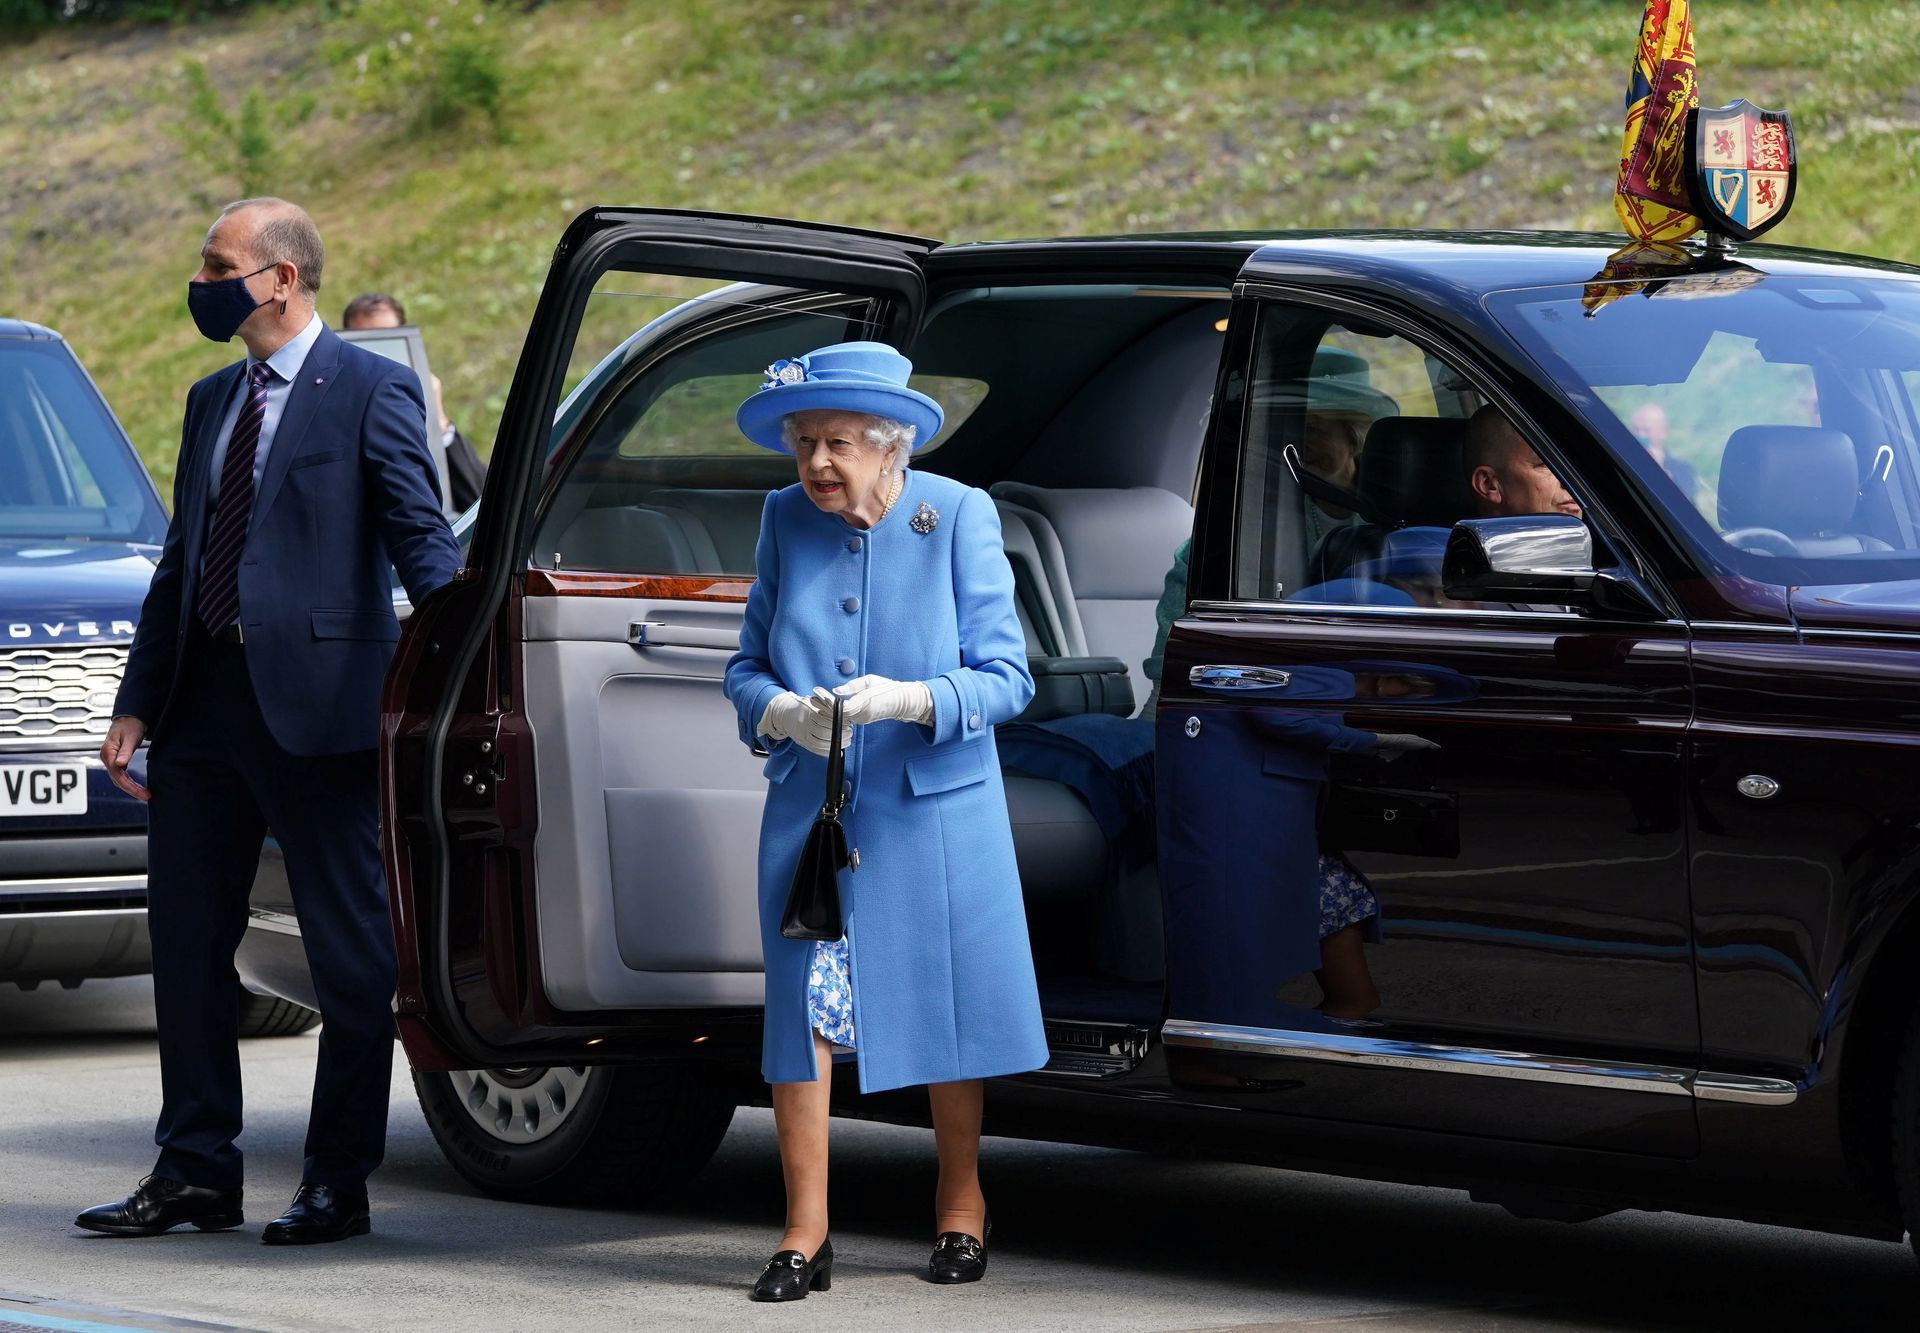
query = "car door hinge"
{"x": 474, "y": 768}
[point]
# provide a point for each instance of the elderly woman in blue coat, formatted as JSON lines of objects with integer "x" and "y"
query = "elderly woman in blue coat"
{"x": 889, "y": 588}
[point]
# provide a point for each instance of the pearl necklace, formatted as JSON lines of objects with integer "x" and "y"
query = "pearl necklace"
{"x": 899, "y": 484}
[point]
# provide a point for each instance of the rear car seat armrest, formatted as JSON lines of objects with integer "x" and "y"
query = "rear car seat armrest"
{"x": 1075, "y": 666}
{"x": 1068, "y": 686}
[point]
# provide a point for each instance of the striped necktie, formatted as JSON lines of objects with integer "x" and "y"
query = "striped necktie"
{"x": 227, "y": 534}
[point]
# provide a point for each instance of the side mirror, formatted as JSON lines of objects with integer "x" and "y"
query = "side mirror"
{"x": 1525, "y": 558}
{"x": 1535, "y": 559}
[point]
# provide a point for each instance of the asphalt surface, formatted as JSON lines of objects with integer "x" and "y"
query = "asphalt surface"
{"x": 1083, "y": 1239}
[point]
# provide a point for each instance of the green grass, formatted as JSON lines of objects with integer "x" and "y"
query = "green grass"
{"x": 962, "y": 121}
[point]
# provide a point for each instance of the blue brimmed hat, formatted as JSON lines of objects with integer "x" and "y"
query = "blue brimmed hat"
{"x": 845, "y": 377}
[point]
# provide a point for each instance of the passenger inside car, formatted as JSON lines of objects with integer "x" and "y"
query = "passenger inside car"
{"x": 1341, "y": 405}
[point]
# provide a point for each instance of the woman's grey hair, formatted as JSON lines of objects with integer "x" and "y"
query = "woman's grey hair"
{"x": 880, "y": 432}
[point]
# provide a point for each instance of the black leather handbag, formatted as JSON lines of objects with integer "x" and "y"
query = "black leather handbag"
{"x": 1398, "y": 820}
{"x": 813, "y": 903}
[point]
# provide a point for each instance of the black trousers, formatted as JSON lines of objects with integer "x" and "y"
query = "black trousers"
{"x": 219, "y": 782}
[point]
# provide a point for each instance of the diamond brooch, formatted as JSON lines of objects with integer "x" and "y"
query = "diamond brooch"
{"x": 925, "y": 519}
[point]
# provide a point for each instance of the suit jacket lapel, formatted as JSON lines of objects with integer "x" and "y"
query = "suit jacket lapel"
{"x": 199, "y": 459}
{"x": 310, "y": 387}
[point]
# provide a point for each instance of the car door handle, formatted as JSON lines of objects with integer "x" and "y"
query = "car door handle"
{"x": 1235, "y": 678}
{"x": 662, "y": 634}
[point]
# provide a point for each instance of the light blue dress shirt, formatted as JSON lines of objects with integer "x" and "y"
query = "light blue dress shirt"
{"x": 285, "y": 365}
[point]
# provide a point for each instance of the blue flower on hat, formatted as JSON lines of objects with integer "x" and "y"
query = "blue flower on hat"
{"x": 787, "y": 370}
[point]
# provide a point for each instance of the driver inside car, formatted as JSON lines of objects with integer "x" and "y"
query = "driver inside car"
{"x": 1506, "y": 475}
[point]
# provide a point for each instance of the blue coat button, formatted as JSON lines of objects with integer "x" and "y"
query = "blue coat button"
{"x": 850, "y": 605}
{"x": 854, "y": 544}
{"x": 846, "y": 666}
{"x": 973, "y": 722}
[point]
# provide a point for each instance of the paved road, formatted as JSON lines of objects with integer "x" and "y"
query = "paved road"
{"x": 1086, "y": 1239}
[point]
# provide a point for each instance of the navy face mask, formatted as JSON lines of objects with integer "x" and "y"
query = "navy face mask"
{"x": 220, "y": 308}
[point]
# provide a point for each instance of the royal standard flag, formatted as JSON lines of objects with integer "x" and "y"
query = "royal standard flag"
{"x": 1651, "y": 196}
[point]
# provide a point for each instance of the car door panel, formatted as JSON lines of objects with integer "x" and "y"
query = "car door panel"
{"x": 555, "y": 839}
{"x": 1534, "y": 965}
{"x": 643, "y": 811}
{"x": 1558, "y": 932}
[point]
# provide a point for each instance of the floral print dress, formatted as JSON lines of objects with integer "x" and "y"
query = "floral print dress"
{"x": 830, "y": 992}
{"x": 1345, "y": 896}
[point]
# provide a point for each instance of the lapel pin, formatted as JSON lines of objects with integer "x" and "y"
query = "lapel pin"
{"x": 319, "y": 379}
{"x": 924, "y": 519}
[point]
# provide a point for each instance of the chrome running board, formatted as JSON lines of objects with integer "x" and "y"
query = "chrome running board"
{"x": 1381, "y": 1053}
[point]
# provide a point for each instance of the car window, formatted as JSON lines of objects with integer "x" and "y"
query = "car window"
{"x": 694, "y": 418}
{"x": 1684, "y": 427}
{"x": 1774, "y": 417}
{"x": 652, "y": 476}
{"x": 66, "y": 470}
{"x": 1363, "y": 450}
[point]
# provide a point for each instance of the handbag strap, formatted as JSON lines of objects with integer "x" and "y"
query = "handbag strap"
{"x": 836, "y": 766}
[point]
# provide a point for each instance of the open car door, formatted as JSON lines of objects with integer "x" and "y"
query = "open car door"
{"x": 571, "y": 824}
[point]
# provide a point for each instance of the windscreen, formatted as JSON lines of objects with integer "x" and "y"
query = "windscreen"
{"x": 1774, "y": 416}
{"x": 66, "y": 469}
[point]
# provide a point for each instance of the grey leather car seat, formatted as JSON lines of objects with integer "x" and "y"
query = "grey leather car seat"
{"x": 635, "y": 537}
{"x": 723, "y": 526}
{"x": 1047, "y": 614}
{"x": 1802, "y": 481}
{"x": 1105, "y": 554}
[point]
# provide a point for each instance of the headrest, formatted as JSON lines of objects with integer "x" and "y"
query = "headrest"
{"x": 1410, "y": 471}
{"x": 1799, "y": 480}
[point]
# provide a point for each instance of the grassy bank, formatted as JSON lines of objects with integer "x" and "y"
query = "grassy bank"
{"x": 963, "y": 121}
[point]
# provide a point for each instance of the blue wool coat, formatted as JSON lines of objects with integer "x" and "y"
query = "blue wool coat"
{"x": 943, "y": 984}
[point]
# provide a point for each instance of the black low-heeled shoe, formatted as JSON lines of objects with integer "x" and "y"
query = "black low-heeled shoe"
{"x": 958, "y": 1257}
{"x": 791, "y": 1275}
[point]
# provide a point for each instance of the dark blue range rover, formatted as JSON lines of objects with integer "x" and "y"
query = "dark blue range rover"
{"x": 80, "y": 528}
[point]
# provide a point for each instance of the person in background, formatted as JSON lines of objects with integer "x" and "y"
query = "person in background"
{"x": 304, "y": 482}
{"x": 1650, "y": 426}
{"x": 466, "y": 474}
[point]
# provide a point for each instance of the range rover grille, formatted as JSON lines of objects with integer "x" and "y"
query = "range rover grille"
{"x": 59, "y": 693}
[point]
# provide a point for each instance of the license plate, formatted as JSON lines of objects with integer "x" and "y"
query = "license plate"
{"x": 43, "y": 789}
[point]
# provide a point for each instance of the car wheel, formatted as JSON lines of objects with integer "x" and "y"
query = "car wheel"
{"x": 271, "y": 1016}
{"x": 575, "y": 1133}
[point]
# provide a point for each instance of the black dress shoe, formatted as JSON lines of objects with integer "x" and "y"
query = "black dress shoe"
{"x": 159, "y": 1204}
{"x": 318, "y": 1214}
{"x": 791, "y": 1275}
{"x": 958, "y": 1257}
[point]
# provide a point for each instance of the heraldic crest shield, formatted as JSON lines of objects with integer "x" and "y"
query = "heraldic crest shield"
{"x": 1740, "y": 167}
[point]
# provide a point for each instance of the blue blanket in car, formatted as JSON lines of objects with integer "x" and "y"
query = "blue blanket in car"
{"x": 1107, "y": 760}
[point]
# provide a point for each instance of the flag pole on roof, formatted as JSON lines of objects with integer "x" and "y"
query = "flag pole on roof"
{"x": 1650, "y": 194}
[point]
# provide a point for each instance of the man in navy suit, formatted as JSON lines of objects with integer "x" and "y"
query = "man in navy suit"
{"x": 304, "y": 476}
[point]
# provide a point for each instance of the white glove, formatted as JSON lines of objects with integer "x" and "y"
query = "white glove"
{"x": 808, "y": 723}
{"x": 877, "y": 699}
{"x": 1390, "y": 745}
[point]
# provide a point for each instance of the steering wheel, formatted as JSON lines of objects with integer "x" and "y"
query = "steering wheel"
{"x": 1763, "y": 541}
